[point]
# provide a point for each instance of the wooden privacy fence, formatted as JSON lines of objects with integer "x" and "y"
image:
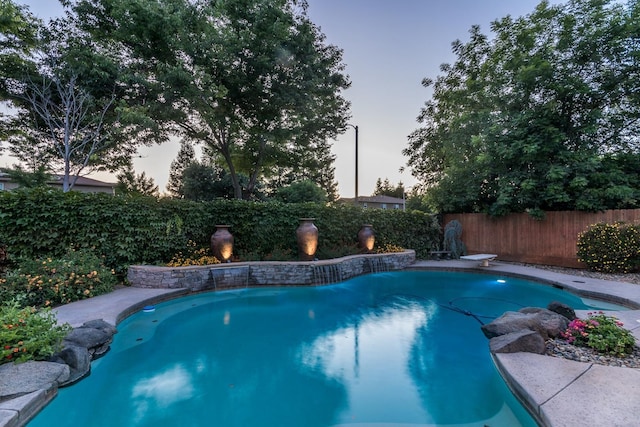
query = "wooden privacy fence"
{"x": 521, "y": 238}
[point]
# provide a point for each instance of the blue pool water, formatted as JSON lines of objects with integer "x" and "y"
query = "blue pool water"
{"x": 400, "y": 348}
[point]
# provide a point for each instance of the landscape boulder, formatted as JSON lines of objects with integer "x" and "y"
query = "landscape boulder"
{"x": 524, "y": 340}
{"x": 78, "y": 359}
{"x": 563, "y": 309}
{"x": 96, "y": 336}
{"x": 546, "y": 322}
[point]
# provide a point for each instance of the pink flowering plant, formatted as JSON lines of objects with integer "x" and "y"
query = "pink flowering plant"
{"x": 603, "y": 333}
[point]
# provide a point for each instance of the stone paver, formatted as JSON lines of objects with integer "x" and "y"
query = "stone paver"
{"x": 115, "y": 306}
{"x": 538, "y": 378}
{"x": 565, "y": 393}
{"x": 17, "y": 412}
{"x": 603, "y": 396}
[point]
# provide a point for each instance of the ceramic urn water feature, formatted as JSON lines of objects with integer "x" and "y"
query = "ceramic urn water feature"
{"x": 366, "y": 238}
{"x": 307, "y": 237}
{"x": 222, "y": 243}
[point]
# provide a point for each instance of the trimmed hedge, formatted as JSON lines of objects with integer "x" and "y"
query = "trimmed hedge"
{"x": 610, "y": 248}
{"x": 130, "y": 230}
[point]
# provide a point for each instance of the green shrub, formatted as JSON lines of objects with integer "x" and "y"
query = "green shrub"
{"x": 610, "y": 248}
{"x": 3, "y": 254}
{"x": 602, "y": 333}
{"x": 46, "y": 281}
{"x": 28, "y": 334}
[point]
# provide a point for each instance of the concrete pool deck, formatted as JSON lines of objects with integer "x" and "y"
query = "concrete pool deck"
{"x": 558, "y": 392}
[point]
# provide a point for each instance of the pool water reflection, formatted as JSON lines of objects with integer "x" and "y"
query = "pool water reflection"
{"x": 400, "y": 347}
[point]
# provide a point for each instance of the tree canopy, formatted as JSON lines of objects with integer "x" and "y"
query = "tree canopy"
{"x": 186, "y": 156}
{"x": 301, "y": 192}
{"x": 384, "y": 188}
{"x": 18, "y": 30}
{"x": 74, "y": 110}
{"x": 18, "y": 35}
{"x": 130, "y": 183}
{"x": 544, "y": 115}
{"x": 252, "y": 80}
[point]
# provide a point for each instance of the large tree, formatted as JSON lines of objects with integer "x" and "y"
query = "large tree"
{"x": 131, "y": 183}
{"x": 202, "y": 181}
{"x": 542, "y": 116}
{"x": 304, "y": 163}
{"x": 384, "y": 188}
{"x": 301, "y": 192}
{"x": 186, "y": 156}
{"x": 75, "y": 111}
{"x": 252, "y": 80}
{"x": 68, "y": 126}
{"x": 18, "y": 34}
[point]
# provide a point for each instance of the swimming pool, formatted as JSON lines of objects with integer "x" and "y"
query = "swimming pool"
{"x": 395, "y": 348}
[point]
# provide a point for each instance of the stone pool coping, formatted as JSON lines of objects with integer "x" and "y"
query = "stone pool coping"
{"x": 556, "y": 391}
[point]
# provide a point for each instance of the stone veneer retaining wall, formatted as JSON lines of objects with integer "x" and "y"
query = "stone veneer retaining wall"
{"x": 267, "y": 273}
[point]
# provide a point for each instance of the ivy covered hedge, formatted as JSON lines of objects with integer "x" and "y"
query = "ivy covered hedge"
{"x": 129, "y": 230}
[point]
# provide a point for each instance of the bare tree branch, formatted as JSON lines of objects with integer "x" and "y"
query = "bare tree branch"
{"x": 67, "y": 112}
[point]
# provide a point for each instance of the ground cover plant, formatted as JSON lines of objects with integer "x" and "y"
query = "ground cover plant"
{"x": 600, "y": 332}
{"x": 49, "y": 280}
{"x": 28, "y": 334}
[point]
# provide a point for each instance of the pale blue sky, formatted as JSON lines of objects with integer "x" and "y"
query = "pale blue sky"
{"x": 389, "y": 47}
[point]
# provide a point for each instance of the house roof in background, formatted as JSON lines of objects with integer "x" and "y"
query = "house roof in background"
{"x": 83, "y": 180}
{"x": 57, "y": 180}
{"x": 375, "y": 199}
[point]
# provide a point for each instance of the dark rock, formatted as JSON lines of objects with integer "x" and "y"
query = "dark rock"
{"x": 98, "y": 352}
{"x": 19, "y": 379}
{"x": 96, "y": 340}
{"x": 551, "y": 324}
{"x": 88, "y": 337}
{"x": 101, "y": 325}
{"x": 546, "y": 322}
{"x": 514, "y": 342}
{"x": 562, "y": 309}
{"x": 79, "y": 361}
{"x": 531, "y": 310}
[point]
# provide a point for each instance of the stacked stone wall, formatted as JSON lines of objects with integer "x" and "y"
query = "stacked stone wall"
{"x": 267, "y": 273}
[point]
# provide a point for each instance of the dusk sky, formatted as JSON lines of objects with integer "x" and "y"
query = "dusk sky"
{"x": 389, "y": 47}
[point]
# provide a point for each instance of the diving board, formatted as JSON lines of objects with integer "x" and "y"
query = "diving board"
{"x": 483, "y": 258}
